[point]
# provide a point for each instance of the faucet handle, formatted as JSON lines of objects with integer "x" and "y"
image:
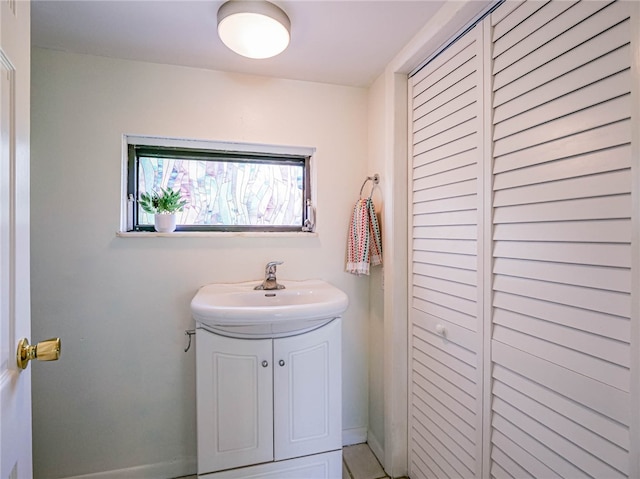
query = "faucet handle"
{"x": 271, "y": 267}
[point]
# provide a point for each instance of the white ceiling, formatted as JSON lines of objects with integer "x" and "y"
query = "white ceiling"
{"x": 346, "y": 42}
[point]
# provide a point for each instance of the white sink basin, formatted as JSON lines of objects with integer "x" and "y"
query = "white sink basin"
{"x": 239, "y": 310}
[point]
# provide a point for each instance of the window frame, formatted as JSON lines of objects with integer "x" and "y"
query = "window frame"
{"x": 136, "y": 147}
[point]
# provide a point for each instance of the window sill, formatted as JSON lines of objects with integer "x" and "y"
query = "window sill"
{"x": 216, "y": 234}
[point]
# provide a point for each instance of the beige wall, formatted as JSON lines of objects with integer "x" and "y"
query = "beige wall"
{"x": 123, "y": 393}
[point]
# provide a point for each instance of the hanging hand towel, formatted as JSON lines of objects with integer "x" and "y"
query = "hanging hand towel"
{"x": 364, "y": 246}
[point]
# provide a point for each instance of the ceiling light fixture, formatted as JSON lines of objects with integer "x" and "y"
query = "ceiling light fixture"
{"x": 254, "y": 29}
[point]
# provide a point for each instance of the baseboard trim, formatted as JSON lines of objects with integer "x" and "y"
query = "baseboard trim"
{"x": 188, "y": 466}
{"x": 356, "y": 435}
{"x": 177, "y": 468}
{"x": 375, "y": 447}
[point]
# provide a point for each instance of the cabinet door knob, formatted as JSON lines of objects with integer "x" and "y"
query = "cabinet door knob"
{"x": 441, "y": 330}
{"x": 265, "y": 364}
{"x": 281, "y": 362}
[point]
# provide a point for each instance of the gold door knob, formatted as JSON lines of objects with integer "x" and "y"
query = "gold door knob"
{"x": 48, "y": 350}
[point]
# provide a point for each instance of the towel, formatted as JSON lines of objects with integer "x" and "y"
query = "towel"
{"x": 364, "y": 246}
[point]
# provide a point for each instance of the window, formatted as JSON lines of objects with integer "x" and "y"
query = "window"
{"x": 227, "y": 187}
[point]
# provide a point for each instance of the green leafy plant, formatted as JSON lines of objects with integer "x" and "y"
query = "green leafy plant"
{"x": 166, "y": 202}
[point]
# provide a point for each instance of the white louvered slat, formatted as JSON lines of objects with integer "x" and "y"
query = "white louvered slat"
{"x": 447, "y": 150}
{"x": 546, "y": 461}
{"x": 452, "y": 232}
{"x": 437, "y": 395}
{"x": 449, "y": 177}
{"x": 437, "y": 129}
{"x": 607, "y": 254}
{"x": 564, "y": 457}
{"x": 457, "y": 385}
{"x": 608, "y": 302}
{"x": 600, "y": 208}
{"x": 567, "y": 148}
{"x": 503, "y": 19}
{"x": 453, "y": 162}
{"x": 464, "y": 217}
{"x": 450, "y": 274}
{"x": 440, "y": 458}
{"x": 599, "y": 277}
{"x": 437, "y": 105}
{"x": 453, "y": 303}
{"x": 603, "y": 371}
{"x": 459, "y": 342}
{"x": 451, "y": 190}
{"x": 611, "y": 350}
{"x": 601, "y": 161}
{"x": 462, "y": 431}
{"x": 527, "y": 22}
{"x": 453, "y": 246}
{"x": 611, "y": 430}
{"x": 447, "y": 204}
{"x": 579, "y": 389}
{"x": 533, "y": 466}
{"x": 459, "y": 131}
{"x": 445, "y": 408}
{"x": 598, "y": 115}
{"x": 450, "y": 287}
{"x": 446, "y": 259}
{"x": 562, "y": 426}
{"x": 578, "y": 187}
{"x": 421, "y": 469}
{"x": 431, "y": 78}
{"x": 503, "y": 466}
{"x": 582, "y": 76}
{"x": 435, "y": 119}
{"x": 614, "y": 327}
{"x": 605, "y": 89}
{"x": 437, "y": 310}
{"x": 453, "y": 447}
{"x": 609, "y": 231}
{"x": 608, "y": 41}
{"x": 570, "y": 29}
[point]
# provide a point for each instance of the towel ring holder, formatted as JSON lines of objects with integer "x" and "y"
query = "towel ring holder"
{"x": 375, "y": 179}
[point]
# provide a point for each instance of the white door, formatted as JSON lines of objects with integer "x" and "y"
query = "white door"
{"x": 15, "y": 383}
{"x": 562, "y": 344}
{"x": 235, "y": 401}
{"x": 308, "y": 392}
{"x": 446, "y": 310}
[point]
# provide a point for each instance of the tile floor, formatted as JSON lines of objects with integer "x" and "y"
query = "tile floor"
{"x": 358, "y": 462}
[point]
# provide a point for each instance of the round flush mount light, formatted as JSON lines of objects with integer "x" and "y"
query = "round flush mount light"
{"x": 253, "y": 29}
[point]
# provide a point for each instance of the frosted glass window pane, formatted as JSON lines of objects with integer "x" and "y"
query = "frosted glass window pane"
{"x": 227, "y": 193}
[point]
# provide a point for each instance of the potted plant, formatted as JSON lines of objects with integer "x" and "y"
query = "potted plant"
{"x": 163, "y": 206}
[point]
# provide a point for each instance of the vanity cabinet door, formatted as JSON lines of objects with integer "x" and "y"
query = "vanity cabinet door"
{"x": 308, "y": 392}
{"x": 235, "y": 401}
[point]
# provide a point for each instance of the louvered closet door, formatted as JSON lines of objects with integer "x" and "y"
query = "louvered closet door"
{"x": 445, "y": 330}
{"x": 562, "y": 240}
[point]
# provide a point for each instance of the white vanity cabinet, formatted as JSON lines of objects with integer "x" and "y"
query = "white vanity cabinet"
{"x": 270, "y": 408}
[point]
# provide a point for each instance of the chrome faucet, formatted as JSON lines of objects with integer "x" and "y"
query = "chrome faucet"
{"x": 270, "y": 282}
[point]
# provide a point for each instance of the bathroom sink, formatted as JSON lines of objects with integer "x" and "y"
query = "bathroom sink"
{"x": 237, "y": 309}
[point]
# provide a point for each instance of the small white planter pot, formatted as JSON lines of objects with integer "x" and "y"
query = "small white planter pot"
{"x": 165, "y": 223}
